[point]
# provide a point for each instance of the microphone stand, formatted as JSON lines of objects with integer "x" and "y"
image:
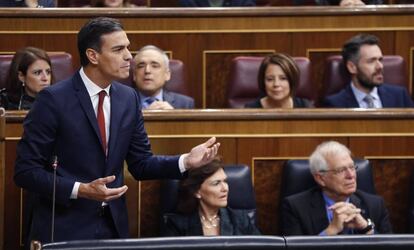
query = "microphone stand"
{"x": 54, "y": 165}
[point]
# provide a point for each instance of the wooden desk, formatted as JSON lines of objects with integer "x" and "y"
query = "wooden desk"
{"x": 262, "y": 139}
{"x": 206, "y": 40}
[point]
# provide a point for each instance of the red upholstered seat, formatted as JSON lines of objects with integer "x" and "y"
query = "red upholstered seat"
{"x": 62, "y": 67}
{"x": 337, "y": 77}
{"x": 243, "y": 86}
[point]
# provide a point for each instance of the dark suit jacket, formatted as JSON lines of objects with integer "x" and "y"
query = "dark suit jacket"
{"x": 62, "y": 122}
{"x": 226, "y": 3}
{"x": 297, "y": 103}
{"x": 178, "y": 101}
{"x": 391, "y": 97}
{"x": 232, "y": 222}
{"x": 305, "y": 214}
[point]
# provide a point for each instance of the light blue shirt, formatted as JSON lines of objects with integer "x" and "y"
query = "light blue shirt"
{"x": 143, "y": 98}
{"x": 329, "y": 213}
{"x": 359, "y": 96}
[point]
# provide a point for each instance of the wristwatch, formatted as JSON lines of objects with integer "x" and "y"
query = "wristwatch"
{"x": 369, "y": 227}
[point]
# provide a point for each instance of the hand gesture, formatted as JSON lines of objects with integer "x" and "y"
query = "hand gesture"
{"x": 31, "y": 3}
{"x": 160, "y": 105}
{"x": 202, "y": 154}
{"x": 97, "y": 190}
{"x": 344, "y": 215}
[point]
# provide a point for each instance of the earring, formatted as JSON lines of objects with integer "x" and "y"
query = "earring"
{"x": 198, "y": 196}
{"x": 23, "y": 84}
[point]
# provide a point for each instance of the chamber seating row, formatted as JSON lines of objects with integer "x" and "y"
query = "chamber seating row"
{"x": 242, "y": 86}
{"x": 296, "y": 178}
{"x": 377, "y": 242}
{"x": 62, "y": 68}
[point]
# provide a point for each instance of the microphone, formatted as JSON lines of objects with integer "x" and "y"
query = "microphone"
{"x": 54, "y": 166}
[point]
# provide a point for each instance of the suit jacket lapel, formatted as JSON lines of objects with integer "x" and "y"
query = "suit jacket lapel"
{"x": 385, "y": 97}
{"x": 354, "y": 199}
{"x": 116, "y": 107}
{"x": 226, "y": 227}
{"x": 194, "y": 227}
{"x": 351, "y": 100}
{"x": 86, "y": 104}
{"x": 168, "y": 97}
{"x": 318, "y": 214}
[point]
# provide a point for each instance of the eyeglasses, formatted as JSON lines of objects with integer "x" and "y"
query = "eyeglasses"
{"x": 341, "y": 170}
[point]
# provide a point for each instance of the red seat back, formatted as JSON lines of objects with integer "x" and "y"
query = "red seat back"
{"x": 62, "y": 67}
{"x": 243, "y": 86}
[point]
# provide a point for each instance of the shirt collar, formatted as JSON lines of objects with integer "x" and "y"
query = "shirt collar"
{"x": 91, "y": 87}
{"x": 359, "y": 95}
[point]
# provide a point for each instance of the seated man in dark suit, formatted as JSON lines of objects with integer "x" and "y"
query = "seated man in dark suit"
{"x": 363, "y": 60}
{"x": 150, "y": 75}
{"x": 336, "y": 206}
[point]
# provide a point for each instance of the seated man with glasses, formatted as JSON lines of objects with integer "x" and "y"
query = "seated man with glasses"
{"x": 335, "y": 206}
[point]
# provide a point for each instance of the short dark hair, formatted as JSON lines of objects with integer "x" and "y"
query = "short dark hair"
{"x": 350, "y": 50}
{"x": 21, "y": 62}
{"x": 187, "y": 202}
{"x": 90, "y": 35}
{"x": 287, "y": 64}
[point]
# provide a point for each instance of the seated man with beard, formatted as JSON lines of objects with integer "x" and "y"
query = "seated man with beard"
{"x": 363, "y": 60}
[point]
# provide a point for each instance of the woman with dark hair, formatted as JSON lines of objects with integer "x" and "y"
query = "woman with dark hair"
{"x": 278, "y": 80}
{"x": 30, "y": 72}
{"x": 202, "y": 206}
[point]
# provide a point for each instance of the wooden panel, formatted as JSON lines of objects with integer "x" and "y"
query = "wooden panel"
{"x": 2, "y": 172}
{"x": 392, "y": 181}
{"x": 262, "y": 139}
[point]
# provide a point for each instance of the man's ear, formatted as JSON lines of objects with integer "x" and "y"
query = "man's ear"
{"x": 319, "y": 179}
{"x": 352, "y": 68}
{"x": 92, "y": 55}
{"x": 168, "y": 75}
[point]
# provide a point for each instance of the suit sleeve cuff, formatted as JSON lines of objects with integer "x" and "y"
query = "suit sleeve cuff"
{"x": 181, "y": 165}
{"x": 74, "y": 194}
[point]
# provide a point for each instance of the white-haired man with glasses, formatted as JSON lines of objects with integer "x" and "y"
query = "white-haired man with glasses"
{"x": 335, "y": 206}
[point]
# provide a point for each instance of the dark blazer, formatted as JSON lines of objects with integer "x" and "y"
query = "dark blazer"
{"x": 178, "y": 101}
{"x": 297, "y": 103}
{"x": 26, "y": 103}
{"x": 391, "y": 97}
{"x": 232, "y": 222}
{"x": 62, "y": 123}
{"x": 226, "y": 3}
{"x": 305, "y": 214}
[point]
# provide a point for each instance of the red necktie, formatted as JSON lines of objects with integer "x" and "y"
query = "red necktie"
{"x": 101, "y": 119}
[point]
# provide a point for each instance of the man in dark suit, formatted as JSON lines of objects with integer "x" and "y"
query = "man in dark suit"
{"x": 363, "y": 60}
{"x": 88, "y": 125}
{"x": 151, "y": 74}
{"x": 336, "y": 206}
